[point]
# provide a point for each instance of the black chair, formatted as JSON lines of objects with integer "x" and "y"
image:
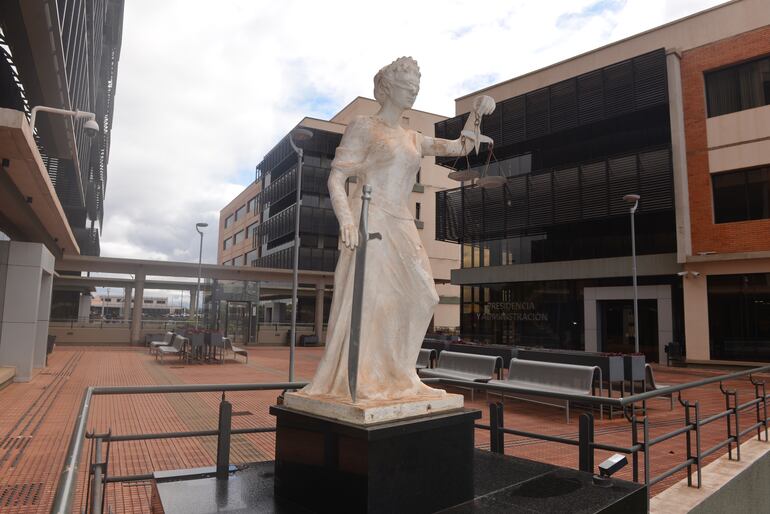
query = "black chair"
{"x": 674, "y": 353}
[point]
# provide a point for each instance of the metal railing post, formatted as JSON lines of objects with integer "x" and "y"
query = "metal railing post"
{"x": 634, "y": 442}
{"x": 223, "y": 439}
{"x": 97, "y": 485}
{"x": 496, "y": 441}
{"x": 737, "y": 427}
{"x": 585, "y": 442}
{"x": 697, "y": 442}
{"x": 646, "y": 449}
{"x": 726, "y": 393}
{"x": 688, "y": 438}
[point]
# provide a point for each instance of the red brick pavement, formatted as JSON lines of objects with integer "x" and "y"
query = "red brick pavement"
{"x": 36, "y": 420}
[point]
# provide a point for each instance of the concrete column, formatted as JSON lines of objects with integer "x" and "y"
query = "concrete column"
{"x": 127, "y": 303}
{"x": 679, "y": 158}
{"x": 696, "y": 318}
{"x": 84, "y": 308}
{"x": 136, "y": 312}
{"x": 319, "y": 311}
{"x": 25, "y": 305}
{"x": 193, "y": 302}
{"x": 43, "y": 316}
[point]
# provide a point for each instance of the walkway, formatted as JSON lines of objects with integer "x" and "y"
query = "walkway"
{"x": 36, "y": 420}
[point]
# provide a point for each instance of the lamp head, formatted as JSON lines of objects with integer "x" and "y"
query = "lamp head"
{"x": 301, "y": 134}
{"x": 631, "y": 198}
{"x": 199, "y": 226}
{"x": 91, "y": 127}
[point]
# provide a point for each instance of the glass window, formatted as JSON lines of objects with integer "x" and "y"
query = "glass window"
{"x": 240, "y": 213}
{"x": 417, "y": 211}
{"x": 228, "y": 243}
{"x": 738, "y": 88}
{"x": 251, "y": 205}
{"x": 229, "y": 220}
{"x": 238, "y": 237}
{"x": 251, "y": 257}
{"x": 742, "y": 195}
{"x": 250, "y": 230}
{"x": 739, "y": 316}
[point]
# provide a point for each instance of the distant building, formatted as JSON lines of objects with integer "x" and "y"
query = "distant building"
{"x": 153, "y": 307}
{"x": 679, "y": 115}
{"x": 264, "y": 237}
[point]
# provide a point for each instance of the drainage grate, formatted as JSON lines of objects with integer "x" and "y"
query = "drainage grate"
{"x": 176, "y": 367}
{"x": 242, "y": 413}
{"x": 21, "y": 495}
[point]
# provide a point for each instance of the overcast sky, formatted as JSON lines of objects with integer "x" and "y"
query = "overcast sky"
{"x": 205, "y": 89}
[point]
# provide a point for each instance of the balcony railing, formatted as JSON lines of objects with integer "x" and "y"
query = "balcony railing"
{"x": 634, "y": 408}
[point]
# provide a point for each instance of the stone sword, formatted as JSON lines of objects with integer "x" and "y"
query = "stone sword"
{"x": 358, "y": 290}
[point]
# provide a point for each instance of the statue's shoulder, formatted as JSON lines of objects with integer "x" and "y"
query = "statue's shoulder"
{"x": 361, "y": 122}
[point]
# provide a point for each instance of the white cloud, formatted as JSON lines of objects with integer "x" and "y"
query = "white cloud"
{"x": 205, "y": 90}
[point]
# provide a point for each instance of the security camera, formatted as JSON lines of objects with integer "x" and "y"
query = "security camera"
{"x": 695, "y": 273}
{"x": 683, "y": 273}
{"x": 608, "y": 468}
{"x": 91, "y": 128}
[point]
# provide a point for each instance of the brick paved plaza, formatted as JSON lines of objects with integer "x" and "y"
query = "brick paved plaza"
{"x": 36, "y": 420}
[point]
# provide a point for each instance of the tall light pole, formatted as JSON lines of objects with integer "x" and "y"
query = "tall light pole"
{"x": 634, "y": 199}
{"x": 198, "y": 227}
{"x": 299, "y": 135}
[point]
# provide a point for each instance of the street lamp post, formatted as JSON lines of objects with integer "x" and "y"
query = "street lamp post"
{"x": 198, "y": 227}
{"x": 298, "y": 134}
{"x": 634, "y": 199}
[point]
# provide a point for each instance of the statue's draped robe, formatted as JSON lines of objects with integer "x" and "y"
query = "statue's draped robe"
{"x": 399, "y": 295}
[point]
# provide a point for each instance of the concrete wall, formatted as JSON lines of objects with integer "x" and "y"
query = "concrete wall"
{"x": 26, "y": 278}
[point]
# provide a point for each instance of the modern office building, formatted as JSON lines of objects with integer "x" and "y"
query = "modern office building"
{"x": 61, "y": 55}
{"x": 677, "y": 115}
{"x": 263, "y": 236}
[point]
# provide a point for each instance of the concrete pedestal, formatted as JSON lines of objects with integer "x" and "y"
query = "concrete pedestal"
{"x": 417, "y": 465}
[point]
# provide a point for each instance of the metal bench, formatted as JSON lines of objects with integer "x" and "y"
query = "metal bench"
{"x": 154, "y": 345}
{"x": 465, "y": 366}
{"x": 176, "y": 347}
{"x": 542, "y": 378}
{"x": 426, "y": 358}
{"x": 237, "y": 350}
{"x": 650, "y": 385}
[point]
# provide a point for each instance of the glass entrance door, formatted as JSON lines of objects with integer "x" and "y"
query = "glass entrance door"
{"x": 616, "y": 327}
{"x": 238, "y": 322}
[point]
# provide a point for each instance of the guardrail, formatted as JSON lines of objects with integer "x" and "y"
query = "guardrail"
{"x": 634, "y": 409}
{"x": 65, "y": 489}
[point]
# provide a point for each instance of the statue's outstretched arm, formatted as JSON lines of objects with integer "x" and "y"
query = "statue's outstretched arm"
{"x": 471, "y": 138}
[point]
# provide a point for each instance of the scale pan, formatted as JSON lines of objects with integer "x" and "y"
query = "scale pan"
{"x": 491, "y": 182}
{"x": 464, "y": 175}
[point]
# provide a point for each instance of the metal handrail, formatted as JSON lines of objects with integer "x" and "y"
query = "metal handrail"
{"x": 66, "y": 487}
{"x": 65, "y": 490}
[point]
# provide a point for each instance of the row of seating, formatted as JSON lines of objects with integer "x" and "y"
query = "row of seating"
{"x": 175, "y": 344}
{"x": 540, "y": 379}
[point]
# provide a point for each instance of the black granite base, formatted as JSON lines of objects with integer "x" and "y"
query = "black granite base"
{"x": 501, "y": 484}
{"x": 415, "y": 466}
